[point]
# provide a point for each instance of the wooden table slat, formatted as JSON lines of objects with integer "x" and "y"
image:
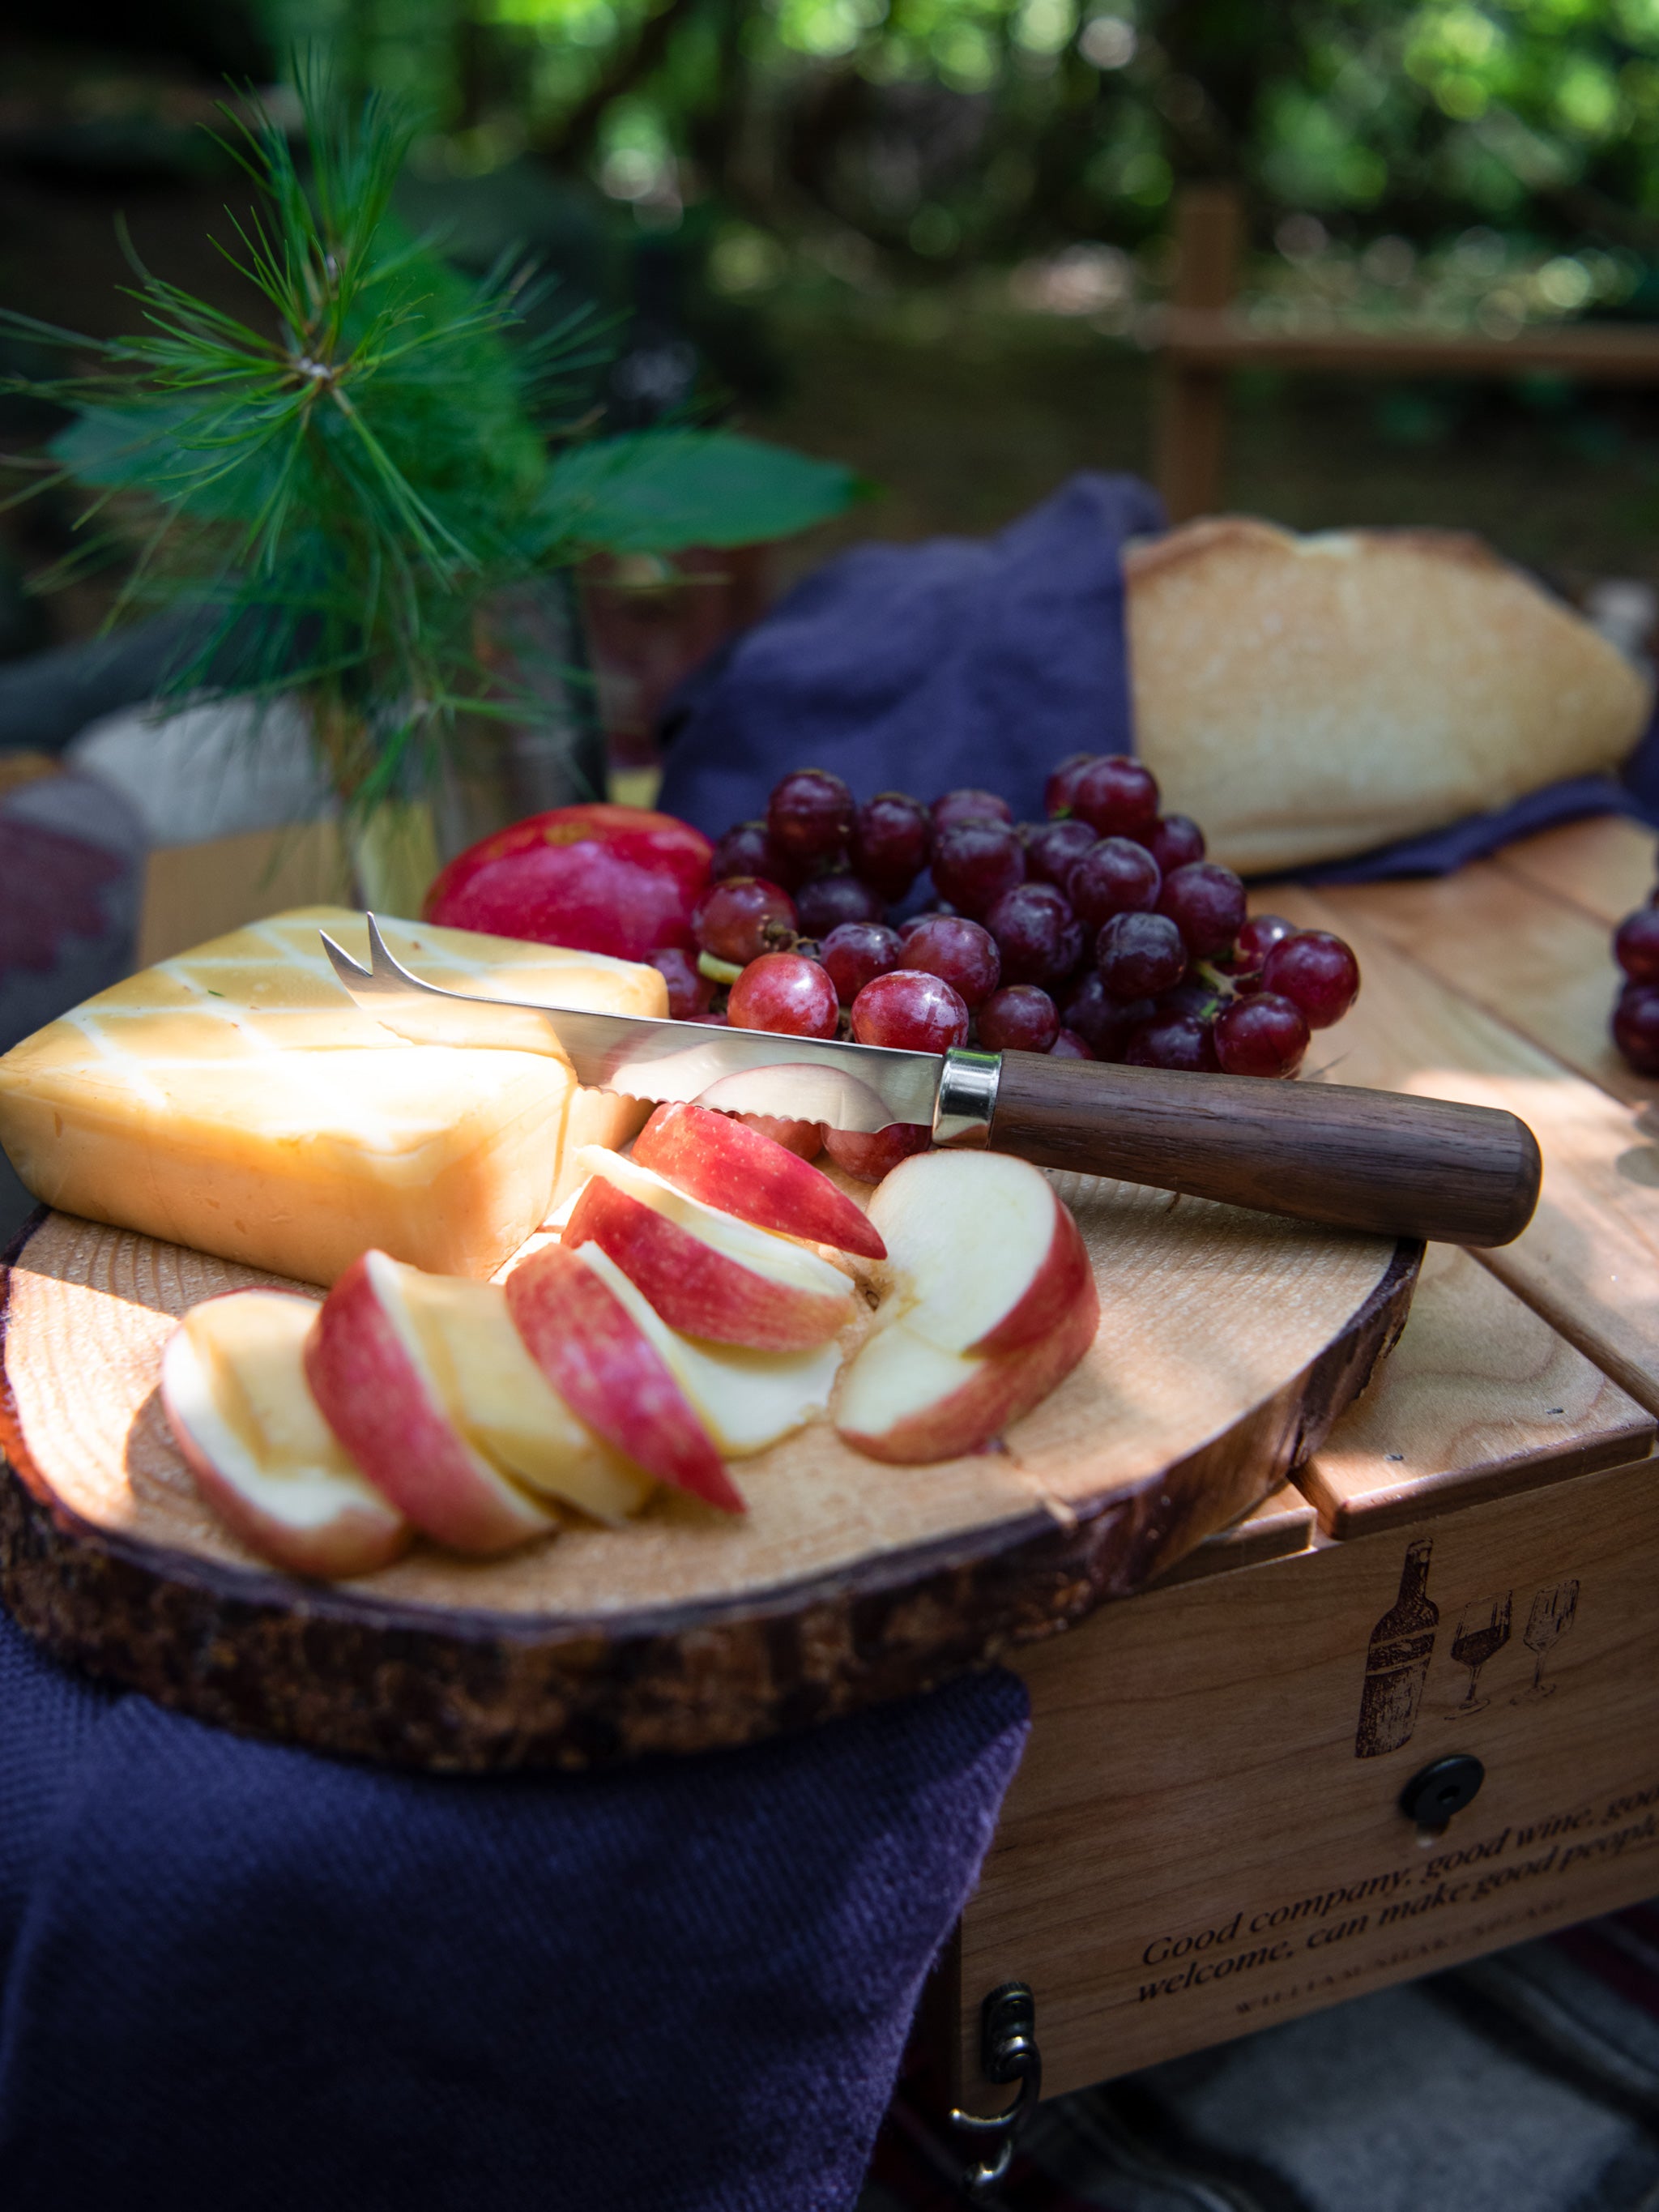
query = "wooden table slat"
{"x": 1606, "y": 865}
{"x": 1539, "y": 963}
{"x": 1480, "y": 1398}
{"x": 1589, "y": 1261}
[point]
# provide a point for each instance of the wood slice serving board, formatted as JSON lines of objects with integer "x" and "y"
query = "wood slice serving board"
{"x": 1229, "y": 1343}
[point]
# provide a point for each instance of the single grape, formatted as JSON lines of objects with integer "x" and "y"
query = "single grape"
{"x": 809, "y": 817}
{"x": 856, "y": 953}
{"x": 1256, "y": 940}
{"x": 1316, "y": 972}
{"x": 1206, "y": 904}
{"x": 959, "y": 952}
{"x": 688, "y": 994}
{"x": 1074, "y": 950}
{"x": 1058, "y": 792}
{"x": 1068, "y": 1045}
{"x": 911, "y": 1010}
{"x": 1636, "y": 946}
{"x": 965, "y": 806}
{"x": 1174, "y": 1040}
{"x": 1264, "y": 1035}
{"x": 890, "y": 838}
{"x": 1033, "y": 926}
{"x": 1115, "y": 876}
{"x": 1052, "y": 850}
{"x": 869, "y": 1157}
{"x": 785, "y": 991}
{"x": 1117, "y": 796}
{"x": 1174, "y": 841}
{"x": 1106, "y": 1023}
{"x": 1021, "y": 1019}
{"x": 974, "y": 862}
{"x": 1139, "y": 955}
{"x": 746, "y": 850}
{"x": 826, "y": 902}
{"x": 743, "y": 917}
{"x": 1636, "y": 1027}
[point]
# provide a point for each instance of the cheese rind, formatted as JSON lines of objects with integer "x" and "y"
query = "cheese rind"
{"x": 236, "y": 1099}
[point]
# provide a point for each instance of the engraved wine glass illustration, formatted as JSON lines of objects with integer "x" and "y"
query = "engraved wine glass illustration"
{"x": 1483, "y": 1630}
{"x": 1551, "y": 1617}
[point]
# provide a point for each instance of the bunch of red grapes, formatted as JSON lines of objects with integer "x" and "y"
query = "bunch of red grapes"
{"x": 1636, "y": 1017}
{"x": 1100, "y": 933}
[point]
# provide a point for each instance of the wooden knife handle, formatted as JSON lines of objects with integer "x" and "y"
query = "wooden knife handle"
{"x": 1356, "y": 1159}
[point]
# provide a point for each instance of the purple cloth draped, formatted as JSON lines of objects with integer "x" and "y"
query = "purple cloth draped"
{"x": 240, "y": 1976}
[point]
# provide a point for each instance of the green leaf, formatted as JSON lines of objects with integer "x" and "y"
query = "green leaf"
{"x": 659, "y": 491}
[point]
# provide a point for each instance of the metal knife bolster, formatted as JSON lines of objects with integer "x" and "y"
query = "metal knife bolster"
{"x": 967, "y": 1102}
{"x": 863, "y": 1088}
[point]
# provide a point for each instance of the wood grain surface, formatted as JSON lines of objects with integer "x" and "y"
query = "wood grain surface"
{"x": 1607, "y": 865}
{"x": 1539, "y": 962}
{"x": 1192, "y": 1846}
{"x": 1229, "y": 1342}
{"x": 1482, "y": 1398}
{"x": 1281, "y": 1525}
{"x": 1589, "y": 1261}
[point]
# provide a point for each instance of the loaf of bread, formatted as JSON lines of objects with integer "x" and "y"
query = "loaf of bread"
{"x": 1306, "y": 698}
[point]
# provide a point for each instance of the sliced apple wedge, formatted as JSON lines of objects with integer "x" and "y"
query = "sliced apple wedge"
{"x": 981, "y": 1256}
{"x": 990, "y": 1300}
{"x": 503, "y": 1404}
{"x": 745, "y": 1400}
{"x": 234, "y": 1392}
{"x": 905, "y": 1398}
{"x": 370, "y": 1372}
{"x": 744, "y": 1170}
{"x": 598, "y": 1359}
{"x": 706, "y": 1273}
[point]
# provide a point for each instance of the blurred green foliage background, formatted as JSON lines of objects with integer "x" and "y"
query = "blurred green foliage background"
{"x": 929, "y": 237}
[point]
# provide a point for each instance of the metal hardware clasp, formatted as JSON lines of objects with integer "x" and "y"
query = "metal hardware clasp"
{"x": 1007, "y": 2052}
{"x": 967, "y": 1099}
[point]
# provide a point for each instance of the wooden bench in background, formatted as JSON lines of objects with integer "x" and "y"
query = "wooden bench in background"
{"x": 1202, "y": 337}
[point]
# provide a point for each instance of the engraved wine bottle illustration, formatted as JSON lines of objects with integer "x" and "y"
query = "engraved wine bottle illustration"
{"x": 1552, "y": 1616}
{"x": 1397, "y": 1660}
{"x": 1483, "y": 1630}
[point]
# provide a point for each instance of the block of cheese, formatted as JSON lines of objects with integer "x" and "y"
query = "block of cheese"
{"x": 234, "y": 1098}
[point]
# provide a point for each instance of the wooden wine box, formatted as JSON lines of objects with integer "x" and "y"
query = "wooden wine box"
{"x": 1213, "y": 1825}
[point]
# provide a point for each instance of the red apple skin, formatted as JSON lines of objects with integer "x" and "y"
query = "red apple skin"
{"x": 1002, "y": 1390}
{"x": 355, "y": 1542}
{"x": 599, "y": 878}
{"x": 739, "y": 1169}
{"x": 386, "y": 1413}
{"x": 696, "y": 1289}
{"x": 591, "y": 1351}
{"x": 803, "y": 1138}
{"x": 871, "y": 1157}
{"x": 1052, "y": 1292}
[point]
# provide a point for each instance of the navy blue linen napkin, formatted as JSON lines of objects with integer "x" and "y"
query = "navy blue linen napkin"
{"x": 924, "y": 668}
{"x": 239, "y": 1978}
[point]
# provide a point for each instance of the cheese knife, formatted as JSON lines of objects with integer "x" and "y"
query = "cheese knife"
{"x": 1373, "y": 1160}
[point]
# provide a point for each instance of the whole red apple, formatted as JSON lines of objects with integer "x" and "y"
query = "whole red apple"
{"x": 602, "y": 878}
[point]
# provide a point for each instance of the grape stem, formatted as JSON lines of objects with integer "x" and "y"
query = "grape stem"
{"x": 717, "y": 971}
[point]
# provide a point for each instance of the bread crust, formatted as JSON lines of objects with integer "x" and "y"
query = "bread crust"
{"x": 1308, "y": 697}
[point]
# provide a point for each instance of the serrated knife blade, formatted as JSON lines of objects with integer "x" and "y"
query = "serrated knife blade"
{"x": 1371, "y": 1160}
{"x": 857, "y": 1087}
